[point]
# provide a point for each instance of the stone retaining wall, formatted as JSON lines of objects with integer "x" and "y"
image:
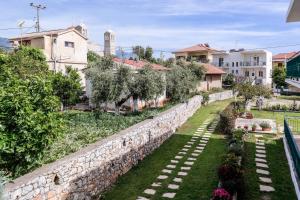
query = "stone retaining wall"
{"x": 96, "y": 167}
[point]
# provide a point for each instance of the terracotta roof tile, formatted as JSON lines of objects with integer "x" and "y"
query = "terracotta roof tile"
{"x": 283, "y": 56}
{"x": 198, "y": 47}
{"x": 140, "y": 64}
{"x": 211, "y": 69}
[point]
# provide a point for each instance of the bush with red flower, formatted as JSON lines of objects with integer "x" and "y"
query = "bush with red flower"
{"x": 221, "y": 194}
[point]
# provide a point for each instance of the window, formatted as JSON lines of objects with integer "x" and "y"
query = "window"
{"x": 232, "y": 64}
{"x": 253, "y": 74}
{"x": 236, "y": 71}
{"x": 256, "y": 60}
{"x": 260, "y": 73}
{"x": 69, "y": 44}
{"x": 221, "y": 62}
{"x": 247, "y": 73}
{"x": 237, "y": 64}
{"x": 232, "y": 71}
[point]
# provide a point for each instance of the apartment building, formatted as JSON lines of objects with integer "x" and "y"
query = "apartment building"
{"x": 254, "y": 65}
{"x": 62, "y": 47}
{"x": 279, "y": 60}
{"x": 201, "y": 53}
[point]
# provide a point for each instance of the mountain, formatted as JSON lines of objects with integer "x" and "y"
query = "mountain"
{"x": 4, "y": 43}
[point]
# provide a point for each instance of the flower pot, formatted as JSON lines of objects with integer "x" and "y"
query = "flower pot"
{"x": 246, "y": 127}
{"x": 254, "y": 129}
{"x": 266, "y": 129}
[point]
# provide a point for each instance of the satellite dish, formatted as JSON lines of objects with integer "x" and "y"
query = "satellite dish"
{"x": 21, "y": 23}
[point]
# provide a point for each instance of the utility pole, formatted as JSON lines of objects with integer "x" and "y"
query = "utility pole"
{"x": 38, "y": 8}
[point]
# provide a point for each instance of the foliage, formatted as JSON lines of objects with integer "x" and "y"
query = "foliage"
{"x": 227, "y": 120}
{"x": 221, "y": 194}
{"x": 229, "y": 80}
{"x": 148, "y": 54}
{"x": 205, "y": 96}
{"x": 265, "y": 124}
{"x": 139, "y": 51}
{"x": 236, "y": 149}
{"x": 283, "y": 107}
{"x": 29, "y": 122}
{"x": 238, "y": 134}
{"x": 92, "y": 57}
{"x": 278, "y": 76}
{"x": 248, "y": 91}
{"x": 67, "y": 87}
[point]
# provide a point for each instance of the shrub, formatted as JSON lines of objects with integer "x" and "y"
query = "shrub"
{"x": 236, "y": 149}
{"x": 238, "y": 134}
{"x": 265, "y": 125}
{"x": 227, "y": 120}
{"x": 205, "y": 96}
{"x": 221, "y": 194}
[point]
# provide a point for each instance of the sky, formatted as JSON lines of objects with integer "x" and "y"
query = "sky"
{"x": 165, "y": 25}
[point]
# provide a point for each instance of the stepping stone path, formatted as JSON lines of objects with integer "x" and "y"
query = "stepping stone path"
{"x": 197, "y": 144}
{"x": 265, "y": 181}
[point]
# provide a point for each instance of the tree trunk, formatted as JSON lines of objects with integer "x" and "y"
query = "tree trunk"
{"x": 117, "y": 109}
{"x": 135, "y": 104}
{"x": 247, "y": 105}
{"x": 105, "y": 107}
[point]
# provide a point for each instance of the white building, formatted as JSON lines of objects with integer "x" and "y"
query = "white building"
{"x": 256, "y": 65}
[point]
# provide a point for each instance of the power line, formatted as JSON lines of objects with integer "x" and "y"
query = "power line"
{"x": 7, "y": 29}
{"x": 38, "y": 8}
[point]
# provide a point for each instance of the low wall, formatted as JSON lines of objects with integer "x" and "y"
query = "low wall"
{"x": 220, "y": 96}
{"x": 93, "y": 169}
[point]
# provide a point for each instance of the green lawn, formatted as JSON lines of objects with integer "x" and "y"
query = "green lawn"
{"x": 278, "y": 168}
{"x": 278, "y": 116}
{"x": 202, "y": 178}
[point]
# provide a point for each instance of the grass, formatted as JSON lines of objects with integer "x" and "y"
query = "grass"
{"x": 202, "y": 178}
{"x": 297, "y": 98}
{"x": 278, "y": 168}
{"x": 277, "y": 116}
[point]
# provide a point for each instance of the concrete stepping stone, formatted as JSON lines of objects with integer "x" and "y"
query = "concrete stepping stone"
{"x": 162, "y": 177}
{"x": 192, "y": 159}
{"x": 184, "y": 149}
{"x": 195, "y": 134}
{"x": 202, "y": 145}
{"x": 260, "y": 147}
{"x": 182, "y": 173}
{"x": 187, "y": 146}
{"x": 203, "y": 141}
{"x": 171, "y": 166}
{"x": 158, "y": 184}
{"x": 261, "y": 171}
{"x": 258, "y": 155}
{"x": 177, "y": 180}
{"x": 192, "y": 140}
{"x": 185, "y": 168}
{"x": 178, "y": 157}
{"x": 265, "y": 180}
{"x": 260, "y": 151}
{"x": 197, "y": 151}
{"x": 149, "y": 191}
{"x": 173, "y": 186}
{"x": 204, "y": 138}
{"x": 258, "y": 136}
{"x": 169, "y": 195}
{"x": 142, "y": 198}
{"x": 174, "y": 161}
{"x": 182, "y": 153}
{"x": 167, "y": 171}
{"x": 266, "y": 188}
{"x": 260, "y": 160}
{"x": 195, "y": 137}
{"x": 188, "y": 163}
{"x": 201, "y": 148}
{"x": 261, "y": 165}
{"x": 195, "y": 154}
{"x": 191, "y": 143}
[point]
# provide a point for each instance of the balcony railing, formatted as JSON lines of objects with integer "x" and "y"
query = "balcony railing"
{"x": 240, "y": 64}
{"x": 291, "y": 123}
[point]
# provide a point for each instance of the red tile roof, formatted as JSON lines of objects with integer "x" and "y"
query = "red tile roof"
{"x": 283, "y": 56}
{"x": 198, "y": 47}
{"x": 139, "y": 64}
{"x": 211, "y": 69}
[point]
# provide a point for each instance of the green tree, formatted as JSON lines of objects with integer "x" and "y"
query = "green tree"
{"x": 92, "y": 57}
{"x": 229, "y": 80}
{"x": 278, "y": 76}
{"x": 149, "y": 54}
{"x": 67, "y": 87}
{"x": 139, "y": 51}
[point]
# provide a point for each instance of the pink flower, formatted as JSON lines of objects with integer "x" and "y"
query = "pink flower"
{"x": 221, "y": 194}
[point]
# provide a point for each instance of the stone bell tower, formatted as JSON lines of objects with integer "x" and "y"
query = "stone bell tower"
{"x": 109, "y": 43}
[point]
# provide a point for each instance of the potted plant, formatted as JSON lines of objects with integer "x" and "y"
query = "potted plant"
{"x": 254, "y": 127}
{"x": 265, "y": 126}
{"x": 221, "y": 194}
{"x": 246, "y": 127}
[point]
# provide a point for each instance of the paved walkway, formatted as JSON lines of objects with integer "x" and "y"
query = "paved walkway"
{"x": 182, "y": 163}
{"x": 262, "y": 168}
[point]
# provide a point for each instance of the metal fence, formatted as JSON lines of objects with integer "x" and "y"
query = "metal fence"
{"x": 293, "y": 147}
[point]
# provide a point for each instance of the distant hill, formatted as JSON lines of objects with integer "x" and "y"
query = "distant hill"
{"x": 4, "y": 43}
